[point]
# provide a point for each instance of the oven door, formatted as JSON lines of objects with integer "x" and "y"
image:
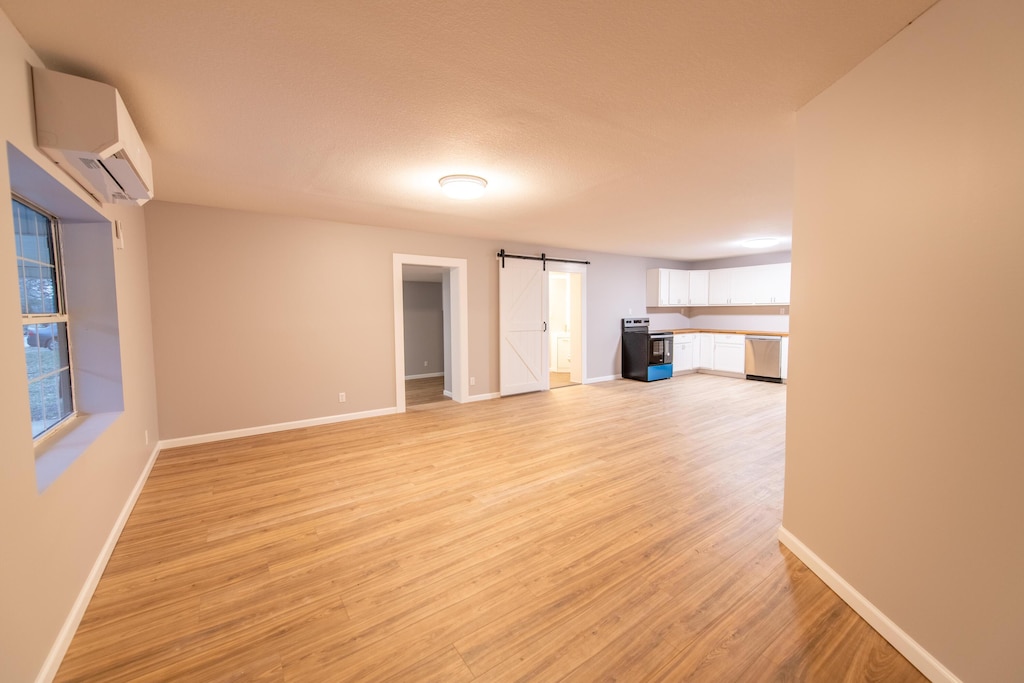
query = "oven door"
{"x": 659, "y": 349}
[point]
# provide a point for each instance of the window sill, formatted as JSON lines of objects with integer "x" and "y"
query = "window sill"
{"x": 56, "y": 453}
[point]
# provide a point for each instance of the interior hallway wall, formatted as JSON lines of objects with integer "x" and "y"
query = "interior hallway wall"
{"x": 904, "y": 473}
{"x": 51, "y": 540}
{"x": 424, "y": 328}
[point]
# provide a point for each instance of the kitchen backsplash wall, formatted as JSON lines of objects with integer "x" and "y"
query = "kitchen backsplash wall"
{"x": 756, "y": 318}
{"x": 666, "y": 321}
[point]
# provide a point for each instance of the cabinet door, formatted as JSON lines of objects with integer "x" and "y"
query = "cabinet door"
{"x": 772, "y": 284}
{"x": 658, "y": 281}
{"x": 729, "y": 357}
{"x": 653, "y": 287}
{"x": 678, "y": 287}
{"x": 682, "y": 360}
{"x": 780, "y": 277}
{"x": 667, "y": 287}
{"x": 698, "y": 287}
{"x": 744, "y": 285}
{"x": 563, "y": 356}
{"x": 706, "y": 359}
{"x": 685, "y": 351}
{"x": 687, "y": 357}
{"x": 719, "y": 286}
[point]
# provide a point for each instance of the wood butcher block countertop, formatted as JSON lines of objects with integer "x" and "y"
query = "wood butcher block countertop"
{"x": 767, "y": 334}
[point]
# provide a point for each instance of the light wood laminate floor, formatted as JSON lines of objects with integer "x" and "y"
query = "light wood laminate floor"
{"x": 557, "y": 380}
{"x": 619, "y": 531}
{"x": 424, "y": 390}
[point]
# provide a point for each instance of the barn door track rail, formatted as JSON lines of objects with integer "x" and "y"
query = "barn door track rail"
{"x": 543, "y": 257}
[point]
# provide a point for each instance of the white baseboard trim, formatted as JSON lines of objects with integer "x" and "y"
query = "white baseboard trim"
{"x": 606, "y": 378}
{"x": 886, "y": 627}
{"x": 429, "y": 374}
{"x": 721, "y": 373}
{"x": 480, "y": 397}
{"x": 447, "y": 393}
{"x": 267, "y": 429}
{"x": 74, "y": 618}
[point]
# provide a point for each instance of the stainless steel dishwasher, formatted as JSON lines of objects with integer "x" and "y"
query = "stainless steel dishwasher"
{"x": 764, "y": 358}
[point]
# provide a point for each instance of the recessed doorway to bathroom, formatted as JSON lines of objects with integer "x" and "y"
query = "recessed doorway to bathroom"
{"x": 565, "y": 326}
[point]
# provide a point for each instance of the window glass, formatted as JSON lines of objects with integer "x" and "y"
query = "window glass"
{"x": 44, "y": 320}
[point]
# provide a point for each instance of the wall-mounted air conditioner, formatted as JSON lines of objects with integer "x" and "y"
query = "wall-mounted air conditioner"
{"x": 83, "y": 126}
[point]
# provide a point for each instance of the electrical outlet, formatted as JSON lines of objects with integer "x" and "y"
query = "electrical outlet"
{"x": 147, "y": 437}
{"x": 472, "y": 381}
{"x": 341, "y": 397}
{"x": 424, "y": 363}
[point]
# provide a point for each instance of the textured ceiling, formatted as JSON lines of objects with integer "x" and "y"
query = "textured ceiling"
{"x": 656, "y": 128}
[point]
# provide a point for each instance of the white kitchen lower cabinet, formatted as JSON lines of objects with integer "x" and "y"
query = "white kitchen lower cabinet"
{"x": 729, "y": 353}
{"x": 684, "y": 354}
{"x": 706, "y": 354}
{"x": 724, "y": 353}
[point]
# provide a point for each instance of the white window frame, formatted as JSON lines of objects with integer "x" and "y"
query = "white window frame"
{"x": 61, "y": 316}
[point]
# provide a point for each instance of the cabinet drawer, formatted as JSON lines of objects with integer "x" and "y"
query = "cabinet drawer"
{"x": 730, "y": 339}
{"x": 685, "y": 338}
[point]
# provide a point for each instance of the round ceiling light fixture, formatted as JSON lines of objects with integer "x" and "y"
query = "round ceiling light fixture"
{"x": 761, "y": 242}
{"x": 463, "y": 186}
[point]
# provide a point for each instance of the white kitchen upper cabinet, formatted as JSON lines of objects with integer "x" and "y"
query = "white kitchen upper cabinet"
{"x": 744, "y": 285}
{"x": 667, "y": 287}
{"x": 678, "y": 287}
{"x": 657, "y": 287}
{"x": 698, "y": 281}
{"x": 749, "y": 285}
{"x": 719, "y": 286}
{"x": 772, "y": 284}
{"x": 732, "y": 286}
{"x": 706, "y": 355}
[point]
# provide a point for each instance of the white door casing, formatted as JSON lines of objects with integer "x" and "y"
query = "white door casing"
{"x": 522, "y": 326}
{"x": 457, "y": 305}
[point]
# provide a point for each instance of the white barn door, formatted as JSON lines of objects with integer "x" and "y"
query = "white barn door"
{"x": 522, "y": 326}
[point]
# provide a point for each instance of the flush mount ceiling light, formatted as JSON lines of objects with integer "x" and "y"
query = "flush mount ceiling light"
{"x": 463, "y": 186}
{"x": 761, "y": 242}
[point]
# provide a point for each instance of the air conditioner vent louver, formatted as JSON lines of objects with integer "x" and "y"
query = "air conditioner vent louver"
{"x": 84, "y": 126}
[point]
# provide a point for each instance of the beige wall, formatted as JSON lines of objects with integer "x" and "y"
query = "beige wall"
{"x": 424, "y": 328}
{"x": 262, "y": 320}
{"x": 905, "y": 452}
{"x": 51, "y": 540}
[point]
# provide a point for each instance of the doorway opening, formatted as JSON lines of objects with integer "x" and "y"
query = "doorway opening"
{"x": 527, "y": 342}
{"x": 565, "y": 327}
{"x": 427, "y": 335}
{"x": 431, "y": 330}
